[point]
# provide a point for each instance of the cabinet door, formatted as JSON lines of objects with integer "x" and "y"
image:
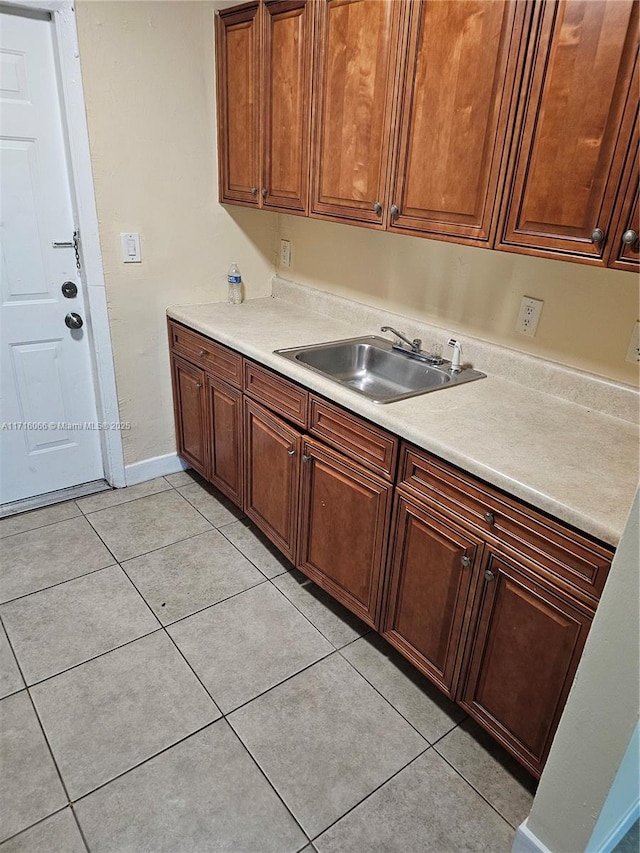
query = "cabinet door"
{"x": 190, "y": 414}
{"x": 578, "y": 110}
{"x": 430, "y": 570}
{"x": 456, "y": 115}
{"x": 625, "y": 246}
{"x": 522, "y": 659}
{"x": 272, "y": 476}
{"x": 355, "y": 74}
{"x": 287, "y": 99}
{"x": 225, "y": 422}
{"x": 344, "y": 520}
{"x": 238, "y": 92}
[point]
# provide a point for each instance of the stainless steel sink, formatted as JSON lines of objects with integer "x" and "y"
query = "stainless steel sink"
{"x": 371, "y": 366}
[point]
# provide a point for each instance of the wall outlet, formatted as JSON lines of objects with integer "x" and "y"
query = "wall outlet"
{"x": 633, "y": 352}
{"x": 285, "y": 253}
{"x": 529, "y": 315}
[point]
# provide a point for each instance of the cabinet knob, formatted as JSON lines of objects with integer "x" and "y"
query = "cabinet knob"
{"x": 597, "y": 236}
{"x": 395, "y": 210}
{"x": 265, "y": 192}
{"x": 254, "y": 190}
{"x": 489, "y": 575}
{"x": 377, "y": 208}
{"x": 466, "y": 562}
{"x": 630, "y": 238}
{"x": 198, "y": 385}
{"x": 202, "y": 353}
{"x": 489, "y": 517}
{"x": 306, "y": 458}
{"x": 291, "y": 452}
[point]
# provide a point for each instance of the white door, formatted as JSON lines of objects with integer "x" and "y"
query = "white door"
{"x": 48, "y": 431}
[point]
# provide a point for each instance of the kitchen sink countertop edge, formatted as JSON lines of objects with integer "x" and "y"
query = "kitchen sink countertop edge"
{"x": 576, "y": 464}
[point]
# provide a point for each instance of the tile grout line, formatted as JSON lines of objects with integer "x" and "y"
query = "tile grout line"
{"x": 35, "y": 823}
{"x": 79, "y": 514}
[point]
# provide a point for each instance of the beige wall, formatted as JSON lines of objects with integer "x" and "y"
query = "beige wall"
{"x": 148, "y": 77}
{"x": 601, "y": 712}
{"x": 586, "y": 321}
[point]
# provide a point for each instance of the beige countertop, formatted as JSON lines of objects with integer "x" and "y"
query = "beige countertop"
{"x": 576, "y": 464}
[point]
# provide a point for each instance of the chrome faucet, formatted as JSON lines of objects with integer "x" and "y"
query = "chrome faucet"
{"x": 414, "y": 345}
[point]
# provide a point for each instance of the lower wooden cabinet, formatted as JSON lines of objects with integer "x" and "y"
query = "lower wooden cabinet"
{"x": 190, "y": 414}
{"x": 432, "y": 564}
{"x": 225, "y": 427}
{"x": 344, "y": 520}
{"x": 522, "y": 658}
{"x": 272, "y": 476}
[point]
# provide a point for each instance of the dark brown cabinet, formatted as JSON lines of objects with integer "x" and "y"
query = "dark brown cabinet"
{"x": 522, "y": 658}
{"x": 625, "y": 241}
{"x": 272, "y": 476}
{"x": 190, "y": 414}
{"x": 344, "y": 521}
{"x": 576, "y": 118}
{"x": 456, "y": 105}
{"x": 355, "y": 70}
{"x": 264, "y": 94}
{"x": 432, "y": 564}
{"x": 225, "y": 429}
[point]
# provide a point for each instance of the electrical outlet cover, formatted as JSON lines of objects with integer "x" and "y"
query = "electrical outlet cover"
{"x": 529, "y": 315}
{"x": 633, "y": 352}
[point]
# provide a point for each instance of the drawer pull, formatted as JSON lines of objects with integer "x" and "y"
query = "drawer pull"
{"x": 489, "y": 575}
{"x": 490, "y": 518}
{"x": 202, "y": 353}
{"x": 466, "y": 562}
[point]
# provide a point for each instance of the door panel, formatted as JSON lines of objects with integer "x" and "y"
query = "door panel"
{"x": 355, "y": 75}
{"x": 345, "y": 514}
{"x": 572, "y": 149}
{"x": 48, "y": 400}
{"x": 287, "y": 102}
{"x": 191, "y": 414}
{"x": 625, "y": 252}
{"x": 458, "y": 87}
{"x": 225, "y": 420}
{"x": 430, "y": 571}
{"x": 523, "y": 660}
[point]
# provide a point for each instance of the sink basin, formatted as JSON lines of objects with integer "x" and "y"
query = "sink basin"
{"x": 371, "y": 366}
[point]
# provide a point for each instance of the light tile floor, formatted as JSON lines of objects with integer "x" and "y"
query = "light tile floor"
{"x": 168, "y": 682}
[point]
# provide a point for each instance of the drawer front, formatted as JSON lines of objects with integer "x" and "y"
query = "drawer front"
{"x": 367, "y": 444}
{"x": 276, "y": 393}
{"x": 557, "y": 549}
{"x": 220, "y": 361}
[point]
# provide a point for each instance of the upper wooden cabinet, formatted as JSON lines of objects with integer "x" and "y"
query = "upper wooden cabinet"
{"x": 355, "y": 69}
{"x": 624, "y": 243}
{"x": 574, "y": 127}
{"x": 264, "y": 101}
{"x": 455, "y": 116}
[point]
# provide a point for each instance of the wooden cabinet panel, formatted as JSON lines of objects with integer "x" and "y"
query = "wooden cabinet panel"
{"x": 223, "y": 362}
{"x": 577, "y": 116}
{"x": 272, "y": 476}
{"x": 431, "y": 566}
{"x": 344, "y": 520}
{"x": 279, "y": 394}
{"x": 355, "y": 75}
{"x": 458, "y": 86}
{"x": 522, "y": 659}
{"x": 364, "y": 442}
{"x": 625, "y": 251}
{"x": 190, "y": 414}
{"x": 225, "y": 421}
{"x": 287, "y": 102}
{"x": 238, "y": 93}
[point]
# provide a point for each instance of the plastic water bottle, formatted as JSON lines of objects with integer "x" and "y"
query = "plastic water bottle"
{"x": 235, "y": 285}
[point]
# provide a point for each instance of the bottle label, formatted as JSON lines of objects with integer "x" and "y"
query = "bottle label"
{"x": 234, "y": 279}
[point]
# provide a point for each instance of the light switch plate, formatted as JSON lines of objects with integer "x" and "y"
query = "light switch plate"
{"x": 130, "y": 243}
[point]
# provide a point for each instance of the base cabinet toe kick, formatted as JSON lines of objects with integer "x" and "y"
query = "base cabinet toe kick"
{"x": 489, "y": 598}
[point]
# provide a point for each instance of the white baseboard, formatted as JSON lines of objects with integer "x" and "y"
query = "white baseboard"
{"x": 157, "y": 466}
{"x": 618, "y": 832}
{"x": 526, "y": 842}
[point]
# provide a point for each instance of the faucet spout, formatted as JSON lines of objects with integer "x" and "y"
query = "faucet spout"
{"x": 413, "y": 345}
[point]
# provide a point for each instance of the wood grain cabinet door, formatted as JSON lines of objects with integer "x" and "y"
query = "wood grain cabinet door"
{"x": 456, "y": 114}
{"x": 625, "y": 242}
{"x": 431, "y": 566}
{"x": 344, "y": 518}
{"x": 190, "y": 411}
{"x": 355, "y": 75}
{"x": 523, "y": 659}
{"x": 225, "y": 423}
{"x": 287, "y": 103}
{"x": 238, "y": 93}
{"x": 578, "y": 111}
{"x": 272, "y": 476}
